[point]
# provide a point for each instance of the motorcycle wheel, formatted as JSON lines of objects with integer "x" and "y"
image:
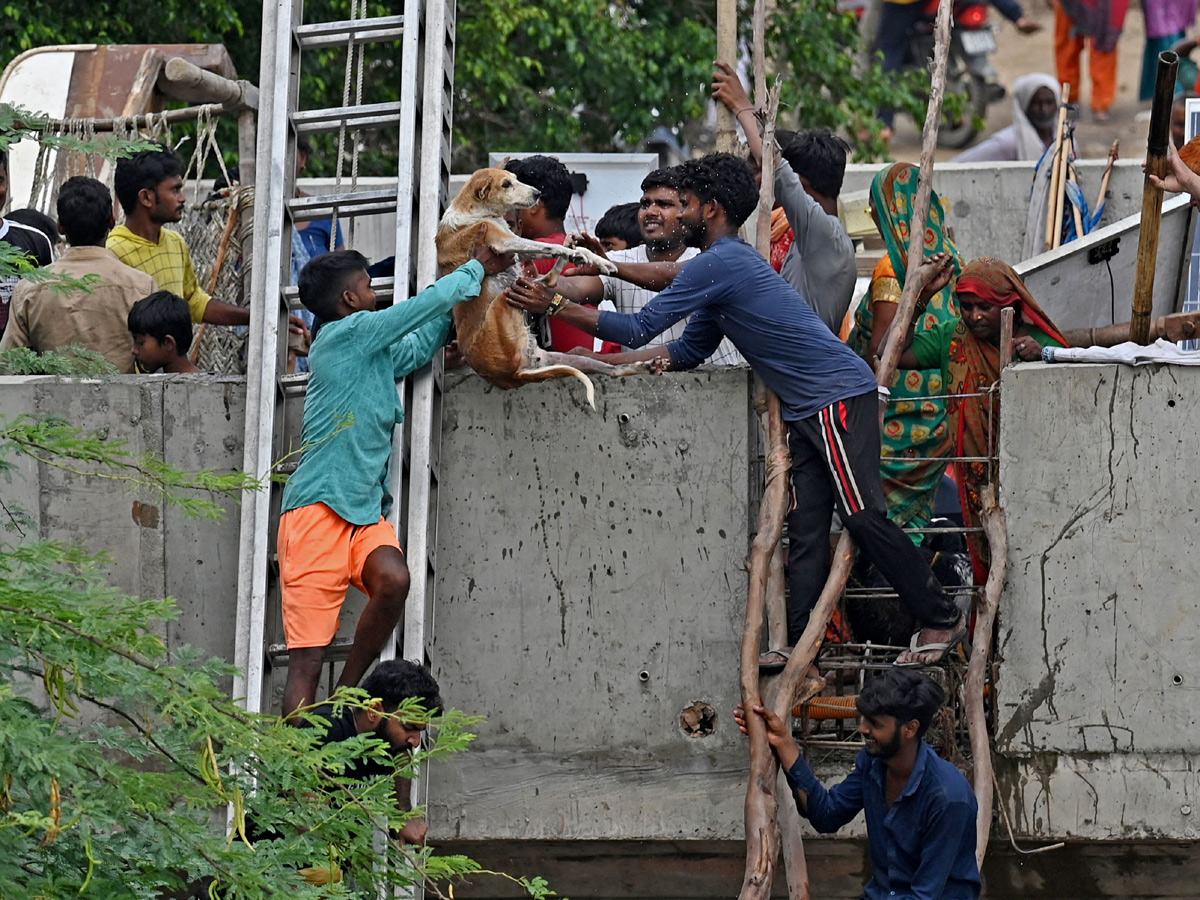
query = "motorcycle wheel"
{"x": 960, "y": 133}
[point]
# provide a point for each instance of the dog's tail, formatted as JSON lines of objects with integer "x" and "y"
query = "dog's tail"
{"x": 545, "y": 373}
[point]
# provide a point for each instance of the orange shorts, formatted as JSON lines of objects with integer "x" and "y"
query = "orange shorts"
{"x": 320, "y": 556}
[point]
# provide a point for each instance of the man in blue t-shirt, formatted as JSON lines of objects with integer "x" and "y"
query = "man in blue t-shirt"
{"x": 919, "y": 809}
{"x": 827, "y": 392}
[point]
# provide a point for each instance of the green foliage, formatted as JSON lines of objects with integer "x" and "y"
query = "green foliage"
{"x": 117, "y": 763}
{"x": 817, "y": 48}
{"x": 74, "y": 360}
{"x": 126, "y": 773}
{"x": 17, "y": 124}
{"x": 556, "y": 76}
{"x": 576, "y": 75}
{"x": 56, "y": 443}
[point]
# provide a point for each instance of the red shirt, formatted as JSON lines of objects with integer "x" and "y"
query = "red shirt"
{"x": 563, "y": 337}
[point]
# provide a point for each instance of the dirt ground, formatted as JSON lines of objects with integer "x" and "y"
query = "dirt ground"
{"x": 1019, "y": 54}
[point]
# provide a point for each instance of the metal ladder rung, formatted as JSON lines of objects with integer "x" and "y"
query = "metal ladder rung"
{"x": 338, "y": 650}
{"x": 338, "y": 34}
{"x": 385, "y": 290}
{"x": 361, "y": 203}
{"x": 369, "y": 115}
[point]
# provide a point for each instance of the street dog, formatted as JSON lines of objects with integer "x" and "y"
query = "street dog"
{"x": 492, "y": 334}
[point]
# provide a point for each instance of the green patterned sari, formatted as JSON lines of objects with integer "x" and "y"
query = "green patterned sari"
{"x": 916, "y": 437}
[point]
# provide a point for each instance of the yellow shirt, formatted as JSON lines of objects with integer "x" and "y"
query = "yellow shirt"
{"x": 168, "y": 262}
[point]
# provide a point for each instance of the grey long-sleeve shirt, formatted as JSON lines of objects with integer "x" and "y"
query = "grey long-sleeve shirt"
{"x": 820, "y": 262}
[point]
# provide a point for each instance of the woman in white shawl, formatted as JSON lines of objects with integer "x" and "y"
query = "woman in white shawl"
{"x": 1035, "y": 110}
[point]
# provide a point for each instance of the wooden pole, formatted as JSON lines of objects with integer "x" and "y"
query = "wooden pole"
{"x": 184, "y": 80}
{"x": 726, "y": 53}
{"x": 1182, "y": 326}
{"x": 763, "y": 839}
{"x": 1060, "y": 190}
{"x": 1112, "y": 161}
{"x": 1058, "y": 144}
{"x": 1152, "y": 197}
{"x": 992, "y": 517}
{"x": 914, "y": 281}
{"x": 1007, "y": 316}
{"x": 1076, "y": 215}
{"x": 762, "y": 830}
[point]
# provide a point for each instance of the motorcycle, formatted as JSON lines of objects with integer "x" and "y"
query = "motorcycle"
{"x": 969, "y": 70}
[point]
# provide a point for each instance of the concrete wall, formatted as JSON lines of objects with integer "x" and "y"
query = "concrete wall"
{"x": 578, "y": 550}
{"x": 193, "y": 422}
{"x": 590, "y": 588}
{"x": 1100, "y": 636}
{"x": 1078, "y": 293}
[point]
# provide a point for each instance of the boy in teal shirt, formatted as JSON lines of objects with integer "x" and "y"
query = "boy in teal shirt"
{"x": 333, "y": 532}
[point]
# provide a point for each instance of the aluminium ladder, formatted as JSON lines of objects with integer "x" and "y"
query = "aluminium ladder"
{"x": 274, "y": 400}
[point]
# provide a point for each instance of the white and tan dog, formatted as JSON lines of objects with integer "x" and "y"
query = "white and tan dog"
{"x": 492, "y": 334}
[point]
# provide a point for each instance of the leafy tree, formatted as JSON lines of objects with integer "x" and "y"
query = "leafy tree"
{"x": 121, "y": 764}
{"x": 557, "y": 76}
{"x": 577, "y": 75}
{"x": 817, "y": 48}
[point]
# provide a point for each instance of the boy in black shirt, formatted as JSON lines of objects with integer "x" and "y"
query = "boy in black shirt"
{"x": 34, "y": 243}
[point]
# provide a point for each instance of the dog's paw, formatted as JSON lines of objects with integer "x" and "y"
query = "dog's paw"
{"x": 588, "y": 258}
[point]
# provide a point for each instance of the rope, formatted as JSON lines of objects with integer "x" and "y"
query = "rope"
{"x": 358, "y": 94}
{"x": 341, "y": 148}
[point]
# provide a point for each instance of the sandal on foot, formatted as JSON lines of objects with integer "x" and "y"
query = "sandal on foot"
{"x": 957, "y": 636}
{"x": 771, "y": 666}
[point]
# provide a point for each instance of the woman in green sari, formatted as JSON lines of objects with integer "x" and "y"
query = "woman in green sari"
{"x": 916, "y": 436}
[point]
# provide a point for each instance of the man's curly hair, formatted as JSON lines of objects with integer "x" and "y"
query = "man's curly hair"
{"x": 724, "y": 178}
{"x": 396, "y": 680}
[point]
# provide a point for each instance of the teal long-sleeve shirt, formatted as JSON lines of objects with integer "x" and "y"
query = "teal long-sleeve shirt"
{"x": 352, "y": 404}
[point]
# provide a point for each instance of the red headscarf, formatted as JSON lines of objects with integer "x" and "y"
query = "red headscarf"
{"x": 996, "y": 282}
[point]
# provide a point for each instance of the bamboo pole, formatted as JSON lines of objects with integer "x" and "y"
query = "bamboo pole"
{"x": 1077, "y": 216}
{"x": 726, "y": 53}
{"x": 992, "y": 518}
{"x": 1060, "y": 192}
{"x": 1058, "y": 145}
{"x": 1156, "y": 164}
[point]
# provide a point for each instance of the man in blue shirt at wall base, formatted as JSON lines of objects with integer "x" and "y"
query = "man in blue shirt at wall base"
{"x": 919, "y": 808}
{"x": 828, "y": 394}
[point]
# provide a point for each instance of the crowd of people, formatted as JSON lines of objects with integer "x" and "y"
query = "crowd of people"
{"x": 688, "y": 291}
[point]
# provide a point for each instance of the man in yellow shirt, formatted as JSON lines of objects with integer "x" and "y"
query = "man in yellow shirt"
{"x": 149, "y": 187}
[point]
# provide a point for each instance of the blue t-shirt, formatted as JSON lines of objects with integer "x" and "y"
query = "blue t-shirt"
{"x": 923, "y": 848}
{"x": 316, "y": 237}
{"x": 731, "y": 290}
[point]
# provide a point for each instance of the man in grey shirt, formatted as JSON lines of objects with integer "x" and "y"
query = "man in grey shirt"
{"x": 820, "y": 263}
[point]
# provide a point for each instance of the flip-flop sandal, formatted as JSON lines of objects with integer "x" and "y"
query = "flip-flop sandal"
{"x": 958, "y": 636}
{"x": 774, "y": 665}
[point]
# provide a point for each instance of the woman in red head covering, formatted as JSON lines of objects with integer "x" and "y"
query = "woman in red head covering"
{"x": 968, "y": 351}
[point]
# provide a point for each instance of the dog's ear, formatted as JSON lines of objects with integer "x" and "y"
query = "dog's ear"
{"x": 484, "y": 188}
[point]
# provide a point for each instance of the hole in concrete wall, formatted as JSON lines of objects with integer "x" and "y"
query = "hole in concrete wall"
{"x": 1171, "y": 403}
{"x": 1177, "y": 680}
{"x": 698, "y": 720}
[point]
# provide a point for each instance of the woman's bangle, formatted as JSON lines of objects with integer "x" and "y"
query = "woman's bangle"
{"x": 744, "y": 109}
